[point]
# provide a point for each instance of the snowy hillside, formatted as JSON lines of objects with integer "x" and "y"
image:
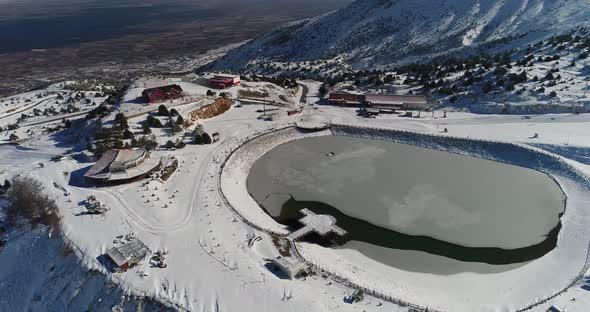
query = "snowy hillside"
{"x": 377, "y": 33}
{"x": 39, "y": 273}
{"x": 548, "y": 76}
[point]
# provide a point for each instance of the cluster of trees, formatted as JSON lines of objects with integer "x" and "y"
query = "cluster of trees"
{"x": 146, "y": 142}
{"x": 119, "y": 135}
{"x": 13, "y": 136}
{"x": 26, "y": 200}
{"x": 178, "y": 144}
{"x": 284, "y": 82}
{"x": 105, "y": 108}
{"x": 100, "y": 111}
{"x": 97, "y": 85}
{"x": 200, "y": 136}
{"x": 486, "y": 72}
{"x": 108, "y": 138}
{"x": 175, "y": 121}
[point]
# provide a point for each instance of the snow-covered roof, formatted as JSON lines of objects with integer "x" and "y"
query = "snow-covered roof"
{"x": 127, "y": 156}
{"x": 118, "y": 258}
{"x": 102, "y": 164}
{"x": 291, "y": 266}
{"x": 133, "y": 251}
{"x": 396, "y": 99}
{"x": 122, "y": 165}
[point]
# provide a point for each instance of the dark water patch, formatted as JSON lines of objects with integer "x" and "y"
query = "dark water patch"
{"x": 363, "y": 231}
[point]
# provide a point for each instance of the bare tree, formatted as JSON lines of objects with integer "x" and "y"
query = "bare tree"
{"x": 27, "y": 201}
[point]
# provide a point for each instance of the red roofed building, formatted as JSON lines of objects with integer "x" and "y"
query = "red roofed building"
{"x": 346, "y": 98}
{"x": 161, "y": 94}
{"x": 224, "y": 81}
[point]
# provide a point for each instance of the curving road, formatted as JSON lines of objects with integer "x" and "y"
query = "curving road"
{"x": 144, "y": 223}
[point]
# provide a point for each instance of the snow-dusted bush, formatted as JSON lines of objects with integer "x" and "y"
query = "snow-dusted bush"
{"x": 26, "y": 200}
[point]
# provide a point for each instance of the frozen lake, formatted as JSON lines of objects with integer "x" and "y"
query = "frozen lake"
{"x": 392, "y": 196}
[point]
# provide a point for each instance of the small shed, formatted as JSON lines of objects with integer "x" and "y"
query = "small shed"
{"x": 292, "y": 267}
{"x": 128, "y": 255}
{"x": 373, "y": 111}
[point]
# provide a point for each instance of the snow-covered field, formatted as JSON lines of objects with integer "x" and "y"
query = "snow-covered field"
{"x": 212, "y": 266}
{"x": 40, "y": 273}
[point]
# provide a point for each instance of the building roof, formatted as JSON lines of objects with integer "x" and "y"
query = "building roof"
{"x": 102, "y": 169}
{"x": 144, "y": 168}
{"x": 165, "y": 89}
{"x": 339, "y": 94}
{"x": 399, "y": 101}
{"x": 127, "y": 156}
{"x": 134, "y": 251}
{"x": 225, "y": 76}
{"x": 221, "y": 80}
{"x": 396, "y": 99}
{"x": 118, "y": 258}
{"x": 103, "y": 163}
{"x": 291, "y": 266}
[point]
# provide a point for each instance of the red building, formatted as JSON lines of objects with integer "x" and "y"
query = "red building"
{"x": 161, "y": 94}
{"x": 224, "y": 81}
{"x": 345, "y": 98}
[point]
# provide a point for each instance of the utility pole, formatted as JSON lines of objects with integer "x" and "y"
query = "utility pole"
{"x": 264, "y": 102}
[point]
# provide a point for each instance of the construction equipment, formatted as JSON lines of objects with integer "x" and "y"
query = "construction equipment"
{"x": 93, "y": 206}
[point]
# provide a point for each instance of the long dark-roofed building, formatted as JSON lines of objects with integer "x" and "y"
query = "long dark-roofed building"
{"x": 161, "y": 94}
{"x": 393, "y": 101}
{"x": 122, "y": 166}
{"x": 344, "y": 98}
{"x": 384, "y": 101}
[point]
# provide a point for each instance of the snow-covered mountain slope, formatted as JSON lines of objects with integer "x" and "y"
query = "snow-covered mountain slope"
{"x": 377, "y": 33}
{"x": 38, "y": 273}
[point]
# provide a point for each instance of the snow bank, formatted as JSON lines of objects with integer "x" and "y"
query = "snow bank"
{"x": 510, "y": 153}
{"x": 236, "y": 168}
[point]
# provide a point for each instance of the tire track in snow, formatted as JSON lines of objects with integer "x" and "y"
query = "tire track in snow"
{"x": 201, "y": 176}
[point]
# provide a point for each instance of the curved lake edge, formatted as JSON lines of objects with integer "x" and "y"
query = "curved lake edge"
{"x": 503, "y": 152}
{"x": 373, "y": 234}
{"x": 381, "y": 236}
{"x": 563, "y": 267}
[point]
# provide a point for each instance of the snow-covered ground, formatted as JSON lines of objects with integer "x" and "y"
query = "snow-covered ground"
{"x": 211, "y": 266}
{"x": 40, "y": 273}
{"x": 31, "y": 114}
{"x": 371, "y": 33}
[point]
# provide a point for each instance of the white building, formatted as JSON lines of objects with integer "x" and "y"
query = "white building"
{"x": 292, "y": 267}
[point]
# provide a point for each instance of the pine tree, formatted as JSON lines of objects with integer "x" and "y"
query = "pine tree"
{"x": 207, "y": 138}
{"x": 163, "y": 111}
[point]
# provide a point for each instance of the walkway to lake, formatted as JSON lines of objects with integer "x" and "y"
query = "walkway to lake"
{"x": 320, "y": 224}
